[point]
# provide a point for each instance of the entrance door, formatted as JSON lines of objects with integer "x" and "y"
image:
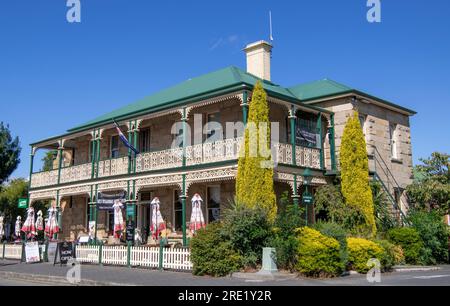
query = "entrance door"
{"x": 144, "y": 214}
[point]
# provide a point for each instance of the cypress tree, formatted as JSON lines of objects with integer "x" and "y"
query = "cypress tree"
{"x": 254, "y": 182}
{"x": 355, "y": 173}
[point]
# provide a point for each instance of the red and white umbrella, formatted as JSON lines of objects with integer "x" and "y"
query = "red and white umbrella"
{"x": 119, "y": 225}
{"x": 2, "y": 228}
{"x": 197, "y": 220}
{"x": 52, "y": 228}
{"x": 17, "y": 227}
{"x": 39, "y": 221}
{"x": 157, "y": 220}
{"x": 29, "y": 227}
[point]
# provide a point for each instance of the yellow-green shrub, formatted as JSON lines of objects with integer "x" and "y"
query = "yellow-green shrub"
{"x": 355, "y": 174}
{"x": 360, "y": 251}
{"x": 318, "y": 255}
{"x": 254, "y": 182}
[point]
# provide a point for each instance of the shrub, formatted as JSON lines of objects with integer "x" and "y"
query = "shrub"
{"x": 409, "y": 239}
{"x": 284, "y": 238}
{"x": 211, "y": 254}
{"x": 254, "y": 183}
{"x": 383, "y": 216}
{"x": 360, "y": 251}
{"x": 355, "y": 174}
{"x": 318, "y": 255}
{"x": 248, "y": 231}
{"x": 393, "y": 254}
{"x": 434, "y": 235}
{"x": 337, "y": 232}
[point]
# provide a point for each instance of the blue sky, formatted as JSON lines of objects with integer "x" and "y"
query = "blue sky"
{"x": 55, "y": 75}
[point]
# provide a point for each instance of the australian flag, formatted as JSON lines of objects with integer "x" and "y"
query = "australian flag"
{"x": 124, "y": 139}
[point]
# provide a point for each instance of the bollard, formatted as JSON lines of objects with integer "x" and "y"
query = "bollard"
{"x": 268, "y": 264}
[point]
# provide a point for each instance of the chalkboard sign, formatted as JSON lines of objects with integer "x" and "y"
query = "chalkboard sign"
{"x": 64, "y": 252}
{"x": 130, "y": 231}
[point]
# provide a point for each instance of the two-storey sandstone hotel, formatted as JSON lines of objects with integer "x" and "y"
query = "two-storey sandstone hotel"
{"x": 92, "y": 158}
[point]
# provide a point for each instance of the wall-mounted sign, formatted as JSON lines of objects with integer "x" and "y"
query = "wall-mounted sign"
{"x": 106, "y": 201}
{"x": 22, "y": 203}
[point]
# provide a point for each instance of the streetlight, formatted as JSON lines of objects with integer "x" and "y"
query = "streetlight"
{"x": 307, "y": 198}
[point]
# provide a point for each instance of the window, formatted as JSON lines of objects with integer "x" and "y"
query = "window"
{"x": 307, "y": 133}
{"x": 144, "y": 140}
{"x": 362, "y": 122}
{"x": 114, "y": 146}
{"x": 213, "y": 203}
{"x": 393, "y": 140}
{"x": 213, "y": 126}
{"x": 178, "y": 211}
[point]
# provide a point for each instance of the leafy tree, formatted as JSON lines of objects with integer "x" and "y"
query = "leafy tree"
{"x": 48, "y": 159}
{"x": 355, "y": 173}
{"x": 9, "y": 197}
{"x": 9, "y": 153}
{"x": 254, "y": 183}
{"x": 432, "y": 190}
{"x": 330, "y": 204}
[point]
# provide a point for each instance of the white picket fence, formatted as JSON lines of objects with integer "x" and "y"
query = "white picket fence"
{"x": 173, "y": 258}
{"x": 12, "y": 251}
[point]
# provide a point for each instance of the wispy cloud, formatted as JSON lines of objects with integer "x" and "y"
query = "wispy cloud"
{"x": 223, "y": 41}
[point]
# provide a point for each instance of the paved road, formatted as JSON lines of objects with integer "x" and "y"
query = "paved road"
{"x": 118, "y": 275}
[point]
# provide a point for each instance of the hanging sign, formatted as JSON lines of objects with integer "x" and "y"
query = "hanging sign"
{"x": 130, "y": 211}
{"x": 106, "y": 201}
{"x": 22, "y": 203}
{"x": 307, "y": 199}
{"x": 32, "y": 252}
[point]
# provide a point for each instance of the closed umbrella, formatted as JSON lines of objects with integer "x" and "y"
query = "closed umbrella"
{"x": 2, "y": 228}
{"x": 29, "y": 227}
{"x": 18, "y": 227}
{"x": 158, "y": 224}
{"x": 51, "y": 227}
{"x": 119, "y": 225}
{"x": 197, "y": 220}
{"x": 39, "y": 221}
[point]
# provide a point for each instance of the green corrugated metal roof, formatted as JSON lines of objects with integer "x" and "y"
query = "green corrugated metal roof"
{"x": 329, "y": 88}
{"x": 317, "y": 89}
{"x": 208, "y": 83}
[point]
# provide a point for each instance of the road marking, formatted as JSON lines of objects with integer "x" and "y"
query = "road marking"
{"x": 431, "y": 276}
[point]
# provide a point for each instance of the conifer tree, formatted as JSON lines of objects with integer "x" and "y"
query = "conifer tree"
{"x": 355, "y": 173}
{"x": 254, "y": 182}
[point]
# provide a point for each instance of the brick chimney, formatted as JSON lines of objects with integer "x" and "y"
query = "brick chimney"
{"x": 258, "y": 59}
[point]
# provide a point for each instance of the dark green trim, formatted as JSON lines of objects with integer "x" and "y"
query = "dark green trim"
{"x": 61, "y": 152}
{"x": 319, "y": 128}
{"x": 292, "y": 119}
{"x": 244, "y": 107}
{"x": 183, "y": 209}
{"x": 332, "y": 144}
{"x": 295, "y": 193}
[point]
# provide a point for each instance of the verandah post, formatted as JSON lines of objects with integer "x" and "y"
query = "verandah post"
{"x": 292, "y": 120}
{"x": 244, "y": 106}
{"x": 332, "y": 144}
{"x": 319, "y": 130}
{"x": 183, "y": 191}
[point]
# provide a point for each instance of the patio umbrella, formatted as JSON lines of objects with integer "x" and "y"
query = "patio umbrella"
{"x": 2, "y": 228}
{"x": 157, "y": 220}
{"x": 119, "y": 225}
{"x": 29, "y": 227}
{"x": 39, "y": 221}
{"x": 51, "y": 227}
{"x": 197, "y": 220}
{"x": 17, "y": 227}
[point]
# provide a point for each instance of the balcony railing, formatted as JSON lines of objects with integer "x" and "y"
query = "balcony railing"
{"x": 219, "y": 151}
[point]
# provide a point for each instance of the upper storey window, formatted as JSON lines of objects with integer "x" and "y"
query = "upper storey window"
{"x": 115, "y": 146}
{"x": 393, "y": 135}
